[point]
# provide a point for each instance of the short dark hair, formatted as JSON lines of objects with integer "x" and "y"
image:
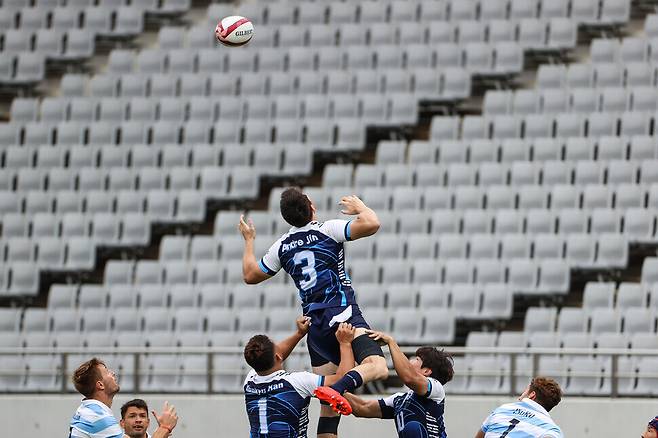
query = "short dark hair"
{"x": 438, "y": 361}
{"x": 134, "y": 403}
{"x": 259, "y": 353}
{"x": 295, "y": 207}
{"x": 547, "y": 392}
{"x": 86, "y": 375}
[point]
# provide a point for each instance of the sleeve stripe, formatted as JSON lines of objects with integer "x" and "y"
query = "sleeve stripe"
{"x": 347, "y": 231}
{"x": 264, "y": 268}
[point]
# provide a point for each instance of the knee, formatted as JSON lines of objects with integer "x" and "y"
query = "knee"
{"x": 380, "y": 368}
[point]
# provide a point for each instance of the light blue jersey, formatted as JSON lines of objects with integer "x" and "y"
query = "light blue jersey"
{"x": 94, "y": 420}
{"x": 522, "y": 419}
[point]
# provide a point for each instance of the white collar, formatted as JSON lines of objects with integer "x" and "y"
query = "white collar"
{"x": 264, "y": 379}
{"x": 536, "y": 406}
{"x": 90, "y": 401}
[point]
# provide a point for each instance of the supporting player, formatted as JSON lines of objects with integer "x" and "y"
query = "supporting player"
{"x": 135, "y": 419}
{"x": 418, "y": 412}
{"x": 94, "y": 418}
{"x": 277, "y": 401}
{"x": 652, "y": 429}
{"x": 528, "y": 417}
{"x": 312, "y": 254}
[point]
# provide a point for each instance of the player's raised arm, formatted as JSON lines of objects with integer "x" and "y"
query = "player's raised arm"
{"x": 251, "y": 272}
{"x": 345, "y": 336}
{"x": 366, "y": 222}
{"x": 285, "y": 347}
{"x": 480, "y": 434}
{"x": 409, "y": 376}
{"x": 364, "y": 408}
{"x": 166, "y": 421}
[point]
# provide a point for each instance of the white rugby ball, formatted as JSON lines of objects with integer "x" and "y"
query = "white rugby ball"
{"x": 234, "y": 30}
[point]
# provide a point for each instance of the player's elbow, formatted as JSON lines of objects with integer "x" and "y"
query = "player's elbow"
{"x": 250, "y": 277}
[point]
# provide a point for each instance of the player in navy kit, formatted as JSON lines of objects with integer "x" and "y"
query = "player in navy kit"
{"x": 312, "y": 254}
{"x": 276, "y": 400}
{"x": 418, "y": 413}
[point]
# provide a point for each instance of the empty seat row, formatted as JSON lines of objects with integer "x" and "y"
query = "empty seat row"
{"x": 562, "y": 125}
{"x": 180, "y": 295}
{"x": 484, "y": 58}
{"x": 22, "y": 70}
{"x": 523, "y": 276}
{"x": 596, "y": 320}
{"x": 496, "y": 197}
{"x": 577, "y": 100}
{"x": 425, "y": 83}
{"x": 608, "y": 74}
{"x": 577, "y": 170}
{"x": 584, "y": 11}
{"x": 478, "y": 246}
{"x": 104, "y": 229}
{"x": 371, "y": 107}
{"x": 206, "y": 179}
{"x": 638, "y": 147}
{"x": 622, "y": 296}
{"x": 557, "y": 33}
{"x": 577, "y": 375}
{"x": 115, "y": 20}
{"x": 64, "y": 46}
{"x": 149, "y": 163}
{"x": 66, "y": 254}
{"x": 160, "y": 206}
{"x": 320, "y": 133}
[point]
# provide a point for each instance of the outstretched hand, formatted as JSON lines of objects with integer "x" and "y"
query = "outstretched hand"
{"x": 247, "y": 229}
{"x": 352, "y": 205}
{"x": 168, "y": 418}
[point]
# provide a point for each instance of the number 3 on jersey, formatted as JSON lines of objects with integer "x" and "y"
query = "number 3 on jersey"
{"x": 307, "y": 261}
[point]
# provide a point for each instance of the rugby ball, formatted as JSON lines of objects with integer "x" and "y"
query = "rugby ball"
{"x": 234, "y": 30}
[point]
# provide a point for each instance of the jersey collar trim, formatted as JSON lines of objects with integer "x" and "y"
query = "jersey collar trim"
{"x": 264, "y": 379}
{"x": 93, "y": 401}
{"x": 536, "y": 406}
{"x": 304, "y": 228}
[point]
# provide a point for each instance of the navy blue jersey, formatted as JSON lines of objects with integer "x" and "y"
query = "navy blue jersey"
{"x": 277, "y": 404}
{"x": 417, "y": 416}
{"x": 314, "y": 258}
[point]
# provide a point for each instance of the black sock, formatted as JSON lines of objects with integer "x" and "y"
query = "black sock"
{"x": 349, "y": 382}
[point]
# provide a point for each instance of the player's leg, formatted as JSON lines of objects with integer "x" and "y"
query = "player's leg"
{"x": 328, "y": 421}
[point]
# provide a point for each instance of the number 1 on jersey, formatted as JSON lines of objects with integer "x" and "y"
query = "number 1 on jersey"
{"x": 307, "y": 260}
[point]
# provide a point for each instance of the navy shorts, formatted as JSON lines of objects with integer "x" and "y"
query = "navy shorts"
{"x": 321, "y": 339}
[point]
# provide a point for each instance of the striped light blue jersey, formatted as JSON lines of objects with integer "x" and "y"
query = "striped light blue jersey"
{"x": 94, "y": 420}
{"x": 314, "y": 258}
{"x": 277, "y": 404}
{"x": 417, "y": 416}
{"x": 522, "y": 419}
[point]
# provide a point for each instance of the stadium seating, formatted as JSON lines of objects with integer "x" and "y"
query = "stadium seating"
{"x": 546, "y": 181}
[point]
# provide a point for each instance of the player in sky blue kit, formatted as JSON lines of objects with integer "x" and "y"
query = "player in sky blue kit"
{"x": 528, "y": 417}
{"x": 312, "y": 254}
{"x": 94, "y": 417}
{"x": 276, "y": 400}
{"x": 418, "y": 413}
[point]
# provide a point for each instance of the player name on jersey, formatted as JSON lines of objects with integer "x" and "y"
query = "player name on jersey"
{"x": 310, "y": 238}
